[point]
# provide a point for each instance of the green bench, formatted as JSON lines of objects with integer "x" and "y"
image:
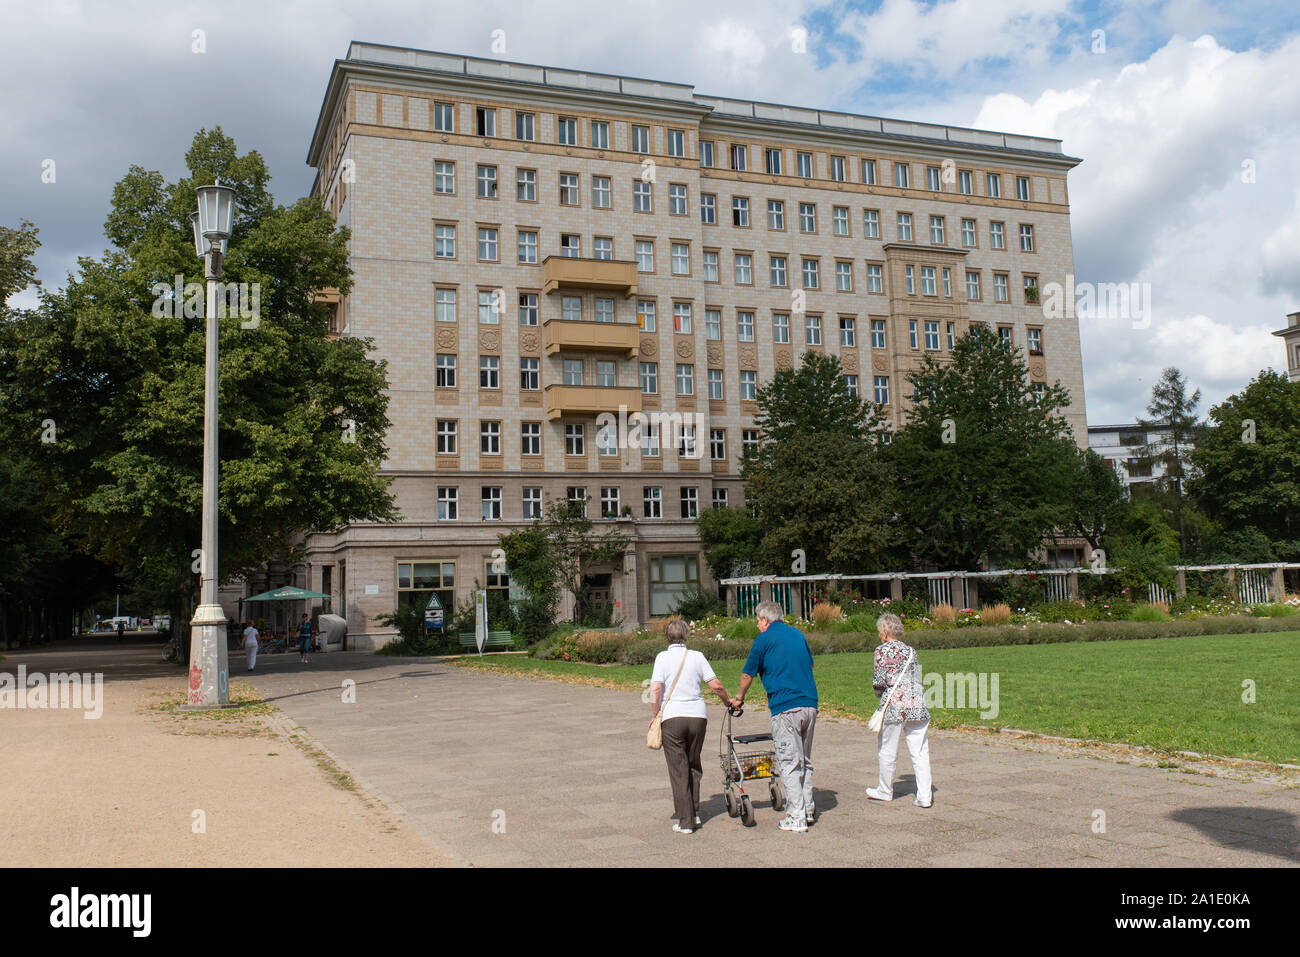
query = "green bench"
{"x": 496, "y": 641}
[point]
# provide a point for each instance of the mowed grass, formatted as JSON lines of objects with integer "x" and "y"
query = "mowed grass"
{"x": 1176, "y": 694}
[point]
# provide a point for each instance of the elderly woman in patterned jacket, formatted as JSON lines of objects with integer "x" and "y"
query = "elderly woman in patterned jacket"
{"x": 898, "y": 679}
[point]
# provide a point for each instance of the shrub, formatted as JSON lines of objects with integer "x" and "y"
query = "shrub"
{"x": 862, "y": 622}
{"x": 599, "y": 647}
{"x": 825, "y": 614}
{"x": 742, "y": 629}
{"x": 996, "y": 614}
{"x": 414, "y": 638}
{"x": 1278, "y": 610}
{"x": 1146, "y": 612}
{"x": 696, "y": 603}
{"x": 1062, "y": 611}
{"x": 943, "y": 614}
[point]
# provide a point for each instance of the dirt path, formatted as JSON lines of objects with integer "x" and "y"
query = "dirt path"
{"x": 146, "y": 785}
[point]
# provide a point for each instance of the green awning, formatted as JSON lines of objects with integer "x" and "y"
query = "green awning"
{"x": 287, "y": 593}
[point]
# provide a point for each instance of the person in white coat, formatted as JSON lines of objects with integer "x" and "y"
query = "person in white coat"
{"x": 249, "y": 644}
{"x": 898, "y": 679}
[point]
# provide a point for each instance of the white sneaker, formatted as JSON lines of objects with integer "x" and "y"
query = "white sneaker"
{"x": 697, "y": 820}
{"x": 929, "y": 803}
{"x": 683, "y": 830}
{"x": 791, "y": 824}
{"x": 876, "y": 795}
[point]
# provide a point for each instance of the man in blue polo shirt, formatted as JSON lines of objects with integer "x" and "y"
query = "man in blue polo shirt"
{"x": 780, "y": 657}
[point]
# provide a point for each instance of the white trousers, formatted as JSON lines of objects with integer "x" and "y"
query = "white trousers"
{"x": 251, "y": 648}
{"x": 918, "y": 746}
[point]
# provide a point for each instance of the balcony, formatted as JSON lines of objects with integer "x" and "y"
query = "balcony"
{"x": 623, "y": 338}
{"x": 591, "y": 400}
{"x": 570, "y": 272}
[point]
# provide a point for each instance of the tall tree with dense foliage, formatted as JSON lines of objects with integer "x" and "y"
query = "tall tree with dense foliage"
{"x": 984, "y": 462}
{"x": 104, "y": 384}
{"x": 1247, "y": 466}
{"x": 732, "y": 540}
{"x": 1173, "y": 417}
{"x": 824, "y": 495}
{"x": 1095, "y": 504}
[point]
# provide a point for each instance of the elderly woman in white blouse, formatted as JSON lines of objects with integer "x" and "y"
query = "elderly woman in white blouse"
{"x": 678, "y": 674}
{"x": 898, "y": 682}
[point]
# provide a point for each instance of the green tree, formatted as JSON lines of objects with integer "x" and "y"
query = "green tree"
{"x": 1145, "y": 551}
{"x": 1173, "y": 418}
{"x": 115, "y": 367}
{"x": 1095, "y": 503}
{"x": 553, "y": 554}
{"x": 17, "y": 268}
{"x": 731, "y": 539}
{"x": 984, "y": 463}
{"x": 1247, "y": 463}
{"x": 818, "y": 481}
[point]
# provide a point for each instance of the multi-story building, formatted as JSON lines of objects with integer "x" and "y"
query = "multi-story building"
{"x": 533, "y": 247}
{"x": 1122, "y": 448}
{"x": 1291, "y": 340}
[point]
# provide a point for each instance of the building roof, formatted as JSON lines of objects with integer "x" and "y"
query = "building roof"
{"x": 370, "y": 58}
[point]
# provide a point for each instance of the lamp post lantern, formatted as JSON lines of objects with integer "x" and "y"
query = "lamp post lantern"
{"x": 209, "y": 678}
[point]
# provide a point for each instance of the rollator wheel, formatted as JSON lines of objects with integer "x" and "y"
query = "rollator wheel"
{"x": 777, "y": 790}
{"x": 733, "y": 806}
{"x": 746, "y": 811}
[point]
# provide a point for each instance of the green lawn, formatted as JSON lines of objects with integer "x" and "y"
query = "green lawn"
{"x": 1178, "y": 694}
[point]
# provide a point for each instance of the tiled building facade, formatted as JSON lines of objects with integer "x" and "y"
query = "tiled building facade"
{"x": 532, "y": 247}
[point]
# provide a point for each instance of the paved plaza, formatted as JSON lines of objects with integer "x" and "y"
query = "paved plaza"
{"x": 563, "y": 772}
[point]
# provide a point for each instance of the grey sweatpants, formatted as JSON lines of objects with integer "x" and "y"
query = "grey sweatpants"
{"x": 792, "y": 735}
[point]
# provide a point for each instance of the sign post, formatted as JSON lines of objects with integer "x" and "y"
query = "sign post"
{"x": 433, "y": 616}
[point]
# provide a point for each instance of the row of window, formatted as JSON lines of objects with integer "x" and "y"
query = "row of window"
{"x": 643, "y": 202}
{"x": 611, "y": 504}
{"x": 575, "y": 439}
{"x": 946, "y": 177}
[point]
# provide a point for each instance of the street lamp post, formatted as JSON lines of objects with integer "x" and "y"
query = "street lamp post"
{"x": 209, "y": 676}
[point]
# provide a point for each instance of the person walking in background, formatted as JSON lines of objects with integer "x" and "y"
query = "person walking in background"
{"x": 249, "y": 644}
{"x": 685, "y": 719}
{"x": 781, "y": 658}
{"x": 304, "y": 637}
{"x": 897, "y": 680}
{"x": 121, "y": 631}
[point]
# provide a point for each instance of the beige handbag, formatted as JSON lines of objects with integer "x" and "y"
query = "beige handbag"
{"x": 654, "y": 737}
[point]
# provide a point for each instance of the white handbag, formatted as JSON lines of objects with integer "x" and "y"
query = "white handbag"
{"x": 878, "y": 718}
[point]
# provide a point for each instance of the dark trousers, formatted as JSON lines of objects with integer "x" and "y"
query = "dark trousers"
{"x": 683, "y": 741}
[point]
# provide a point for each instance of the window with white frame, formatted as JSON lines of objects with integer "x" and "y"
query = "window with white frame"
{"x": 485, "y": 121}
{"x": 968, "y": 232}
{"x": 706, "y": 154}
{"x": 609, "y": 504}
{"x": 682, "y": 317}
{"x": 604, "y": 309}
{"x": 605, "y": 373}
{"x": 775, "y": 214}
{"x": 877, "y": 333}
{"x": 530, "y": 373}
{"x": 575, "y": 438}
{"x": 489, "y": 438}
{"x": 489, "y": 372}
{"x": 532, "y": 502}
{"x": 869, "y": 172}
{"x": 566, "y": 131}
{"x": 715, "y": 384}
{"x": 685, "y": 379}
{"x": 848, "y": 332}
{"x": 748, "y": 386}
{"x": 645, "y": 314}
{"x": 569, "y": 189}
{"x": 713, "y": 324}
{"x": 676, "y": 199}
{"x": 844, "y": 276}
{"x": 528, "y": 308}
{"x": 777, "y": 271}
{"x": 1022, "y": 188}
{"x": 708, "y": 208}
{"x": 927, "y": 281}
{"x": 690, "y": 501}
{"x": 527, "y": 247}
{"x": 652, "y": 501}
{"x": 964, "y": 182}
{"x": 650, "y": 440}
{"x": 599, "y": 135}
{"x": 993, "y": 184}
{"x": 807, "y": 217}
{"x": 909, "y": 274}
{"x": 911, "y": 333}
{"x": 640, "y": 139}
{"x": 444, "y": 241}
{"x": 649, "y": 373}
{"x": 904, "y": 227}
{"x": 772, "y": 162}
{"x": 931, "y": 336}
{"x": 487, "y": 182}
{"x": 719, "y": 498}
{"x": 1026, "y": 238}
{"x": 446, "y": 436}
{"x": 851, "y": 385}
{"x": 1001, "y": 292}
{"x": 444, "y": 117}
{"x": 445, "y": 304}
{"x": 749, "y": 442}
{"x": 444, "y": 177}
{"x": 881, "y": 389}
{"x": 530, "y": 438}
{"x": 739, "y": 211}
{"x": 525, "y": 126}
{"x": 445, "y": 371}
{"x": 838, "y": 173}
{"x": 811, "y": 274}
{"x": 571, "y": 308}
{"x": 718, "y": 444}
{"x": 681, "y": 259}
{"x": 840, "y": 220}
{"x": 744, "y": 325}
{"x": 871, "y": 223}
{"x": 642, "y": 198}
{"x": 780, "y": 327}
{"x": 448, "y": 503}
{"x": 602, "y": 247}
{"x": 972, "y": 284}
{"x": 875, "y": 278}
{"x": 676, "y": 143}
{"x": 744, "y": 271}
{"x": 602, "y": 192}
{"x": 901, "y": 175}
{"x": 812, "y": 326}
{"x": 487, "y": 245}
{"x": 709, "y": 262}
{"x": 572, "y": 369}
{"x": 804, "y": 164}
{"x": 570, "y": 245}
{"x": 739, "y": 156}
{"x": 645, "y": 255}
{"x": 936, "y": 231}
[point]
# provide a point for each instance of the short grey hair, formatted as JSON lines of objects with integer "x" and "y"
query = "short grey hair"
{"x": 891, "y": 626}
{"x": 769, "y": 610}
{"x": 676, "y": 632}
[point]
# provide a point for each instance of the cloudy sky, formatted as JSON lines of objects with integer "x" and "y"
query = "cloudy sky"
{"x": 1186, "y": 114}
